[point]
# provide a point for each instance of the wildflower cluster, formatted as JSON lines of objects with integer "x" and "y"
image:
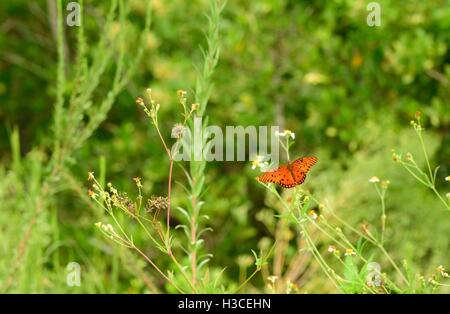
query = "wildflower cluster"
{"x": 429, "y": 176}
{"x": 260, "y": 162}
{"x": 109, "y": 232}
{"x": 110, "y": 198}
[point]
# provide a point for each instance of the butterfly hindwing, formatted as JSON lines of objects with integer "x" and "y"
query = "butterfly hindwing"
{"x": 282, "y": 176}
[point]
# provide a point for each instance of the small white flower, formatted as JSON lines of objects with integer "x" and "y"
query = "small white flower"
{"x": 447, "y": 178}
{"x": 448, "y": 195}
{"x": 285, "y": 133}
{"x": 374, "y": 179}
{"x": 313, "y": 214}
{"x": 331, "y": 249}
{"x": 259, "y": 162}
{"x": 104, "y": 195}
{"x": 108, "y": 228}
{"x": 440, "y": 269}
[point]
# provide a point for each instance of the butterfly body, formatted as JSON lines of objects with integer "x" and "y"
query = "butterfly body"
{"x": 291, "y": 174}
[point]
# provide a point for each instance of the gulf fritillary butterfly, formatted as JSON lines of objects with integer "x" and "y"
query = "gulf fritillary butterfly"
{"x": 291, "y": 174}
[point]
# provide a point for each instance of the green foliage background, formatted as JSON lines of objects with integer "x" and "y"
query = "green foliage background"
{"x": 347, "y": 90}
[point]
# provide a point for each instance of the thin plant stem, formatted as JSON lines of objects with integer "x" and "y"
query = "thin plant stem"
{"x": 182, "y": 272}
{"x": 157, "y": 268}
{"x": 169, "y": 196}
{"x": 406, "y": 166}
{"x": 419, "y": 133}
{"x": 373, "y": 241}
{"x": 381, "y": 194}
{"x": 318, "y": 257}
{"x": 357, "y": 275}
{"x": 381, "y": 247}
{"x": 257, "y": 270}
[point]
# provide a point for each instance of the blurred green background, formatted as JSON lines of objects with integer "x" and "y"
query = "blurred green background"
{"x": 346, "y": 89}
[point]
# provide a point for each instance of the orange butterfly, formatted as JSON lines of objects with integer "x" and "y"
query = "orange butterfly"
{"x": 290, "y": 175}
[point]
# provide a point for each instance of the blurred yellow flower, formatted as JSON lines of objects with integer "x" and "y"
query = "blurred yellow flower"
{"x": 349, "y": 252}
{"x": 357, "y": 60}
{"x": 315, "y": 78}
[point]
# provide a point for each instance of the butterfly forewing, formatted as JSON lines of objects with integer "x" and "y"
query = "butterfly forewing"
{"x": 300, "y": 168}
{"x": 304, "y": 164}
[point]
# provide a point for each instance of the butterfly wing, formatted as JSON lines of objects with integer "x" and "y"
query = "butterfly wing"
{"x": 282, "y": 176}
{"x": 300, "y": 168}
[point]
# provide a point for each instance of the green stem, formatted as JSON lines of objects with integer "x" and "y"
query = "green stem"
{"x": 157, "y": 269}
{"x": 318, "y": 257}
{"x": 183, "y": 273}
{"x": 381, "y": 247}
{"x": 440, "y": 197}
{"x": 406, "y": 166}
{"x": 258, "y": 269}
{"x": 426, "y": 156}
{"x": 383, "y": 212}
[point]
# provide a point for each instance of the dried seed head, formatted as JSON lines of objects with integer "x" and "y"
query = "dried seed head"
{"x": 140, "y": 101}
{"x": 409, "y": 157}
{"x": 195, "y": 106}
{"x": 181, "y": 93}
{"x": 178, "y": 131}
{"x": 138, "y": 182}
{"x": 396, "y": 157}
{"x": 385, "y": 184}
{"x": 156, "y": 203}
{"x": 131, "y": 208}
{"x": 92, "y": 194}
